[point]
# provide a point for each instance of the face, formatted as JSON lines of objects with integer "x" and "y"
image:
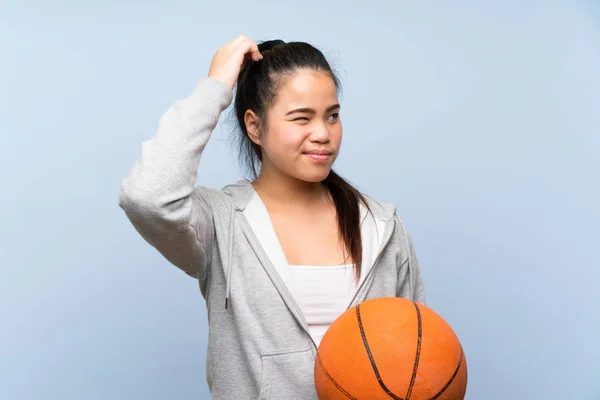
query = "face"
{"x": 303, "y": 130}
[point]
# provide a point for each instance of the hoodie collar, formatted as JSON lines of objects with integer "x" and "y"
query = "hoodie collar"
{"x": 242, "y": 192}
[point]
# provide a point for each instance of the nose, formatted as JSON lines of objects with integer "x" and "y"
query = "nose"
{"x": 320, "y": 134}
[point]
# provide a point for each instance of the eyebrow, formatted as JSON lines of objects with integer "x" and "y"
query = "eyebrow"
{"x": 312, "y": 111}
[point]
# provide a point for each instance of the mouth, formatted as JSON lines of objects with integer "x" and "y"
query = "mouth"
{"x": 318, "y": 155}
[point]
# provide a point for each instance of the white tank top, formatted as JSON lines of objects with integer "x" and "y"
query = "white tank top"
{"x": 323, "y": 294}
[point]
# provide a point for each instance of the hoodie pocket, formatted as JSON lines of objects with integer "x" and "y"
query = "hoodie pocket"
{"x": 288, "y": 375}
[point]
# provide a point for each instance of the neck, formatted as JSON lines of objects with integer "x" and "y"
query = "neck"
{"x": 280, "y": 190}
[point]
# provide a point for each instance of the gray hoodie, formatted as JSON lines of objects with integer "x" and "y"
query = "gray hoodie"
{"x": 259, "y": 346}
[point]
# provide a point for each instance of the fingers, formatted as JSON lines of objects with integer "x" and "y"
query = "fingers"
{"x": 256, "y": 56}
{"x": 246, "y": 46}
{"x": 236, "y": 41}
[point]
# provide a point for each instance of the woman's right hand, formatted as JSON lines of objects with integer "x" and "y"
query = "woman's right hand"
{"x": 229, "y": 59}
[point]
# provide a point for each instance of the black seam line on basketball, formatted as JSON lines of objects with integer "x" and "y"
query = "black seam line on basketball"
{"x": 452, "y": 378}
{"x": 341, "y": 389}
{"x": 418, "y": 354}
{"x": 368, "y": 349}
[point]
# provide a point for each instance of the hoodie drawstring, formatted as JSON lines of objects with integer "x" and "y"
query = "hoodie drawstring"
{"x": 229, "y": 258}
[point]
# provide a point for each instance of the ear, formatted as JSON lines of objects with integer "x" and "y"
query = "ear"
{"x": 252, "y": 126}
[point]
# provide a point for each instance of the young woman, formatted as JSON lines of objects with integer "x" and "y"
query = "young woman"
{"x": 280, "y": 257}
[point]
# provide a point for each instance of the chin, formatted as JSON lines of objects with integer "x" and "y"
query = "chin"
{"x": 314, "y": 177}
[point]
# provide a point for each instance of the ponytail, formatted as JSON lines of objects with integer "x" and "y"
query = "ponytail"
{"x": 347, "y": 204}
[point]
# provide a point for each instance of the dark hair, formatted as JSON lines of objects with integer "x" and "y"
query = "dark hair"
{"x": 256, "y": 87}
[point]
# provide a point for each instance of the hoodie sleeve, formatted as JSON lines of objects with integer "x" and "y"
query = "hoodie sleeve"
{"x": 410, "y": 282}
{"x": 159, "y": 196}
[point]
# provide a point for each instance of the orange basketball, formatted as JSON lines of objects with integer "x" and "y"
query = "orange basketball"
{"x": 390, "y": 348}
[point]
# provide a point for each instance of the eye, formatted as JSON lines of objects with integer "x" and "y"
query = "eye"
{"x": 335, "y": 116}
{"x": 301, "y": 119}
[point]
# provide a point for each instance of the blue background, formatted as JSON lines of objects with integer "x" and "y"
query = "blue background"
{"x": 479, "y": 120}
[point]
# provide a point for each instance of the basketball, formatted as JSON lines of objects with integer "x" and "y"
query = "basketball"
{"x": 390, "y": 348}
